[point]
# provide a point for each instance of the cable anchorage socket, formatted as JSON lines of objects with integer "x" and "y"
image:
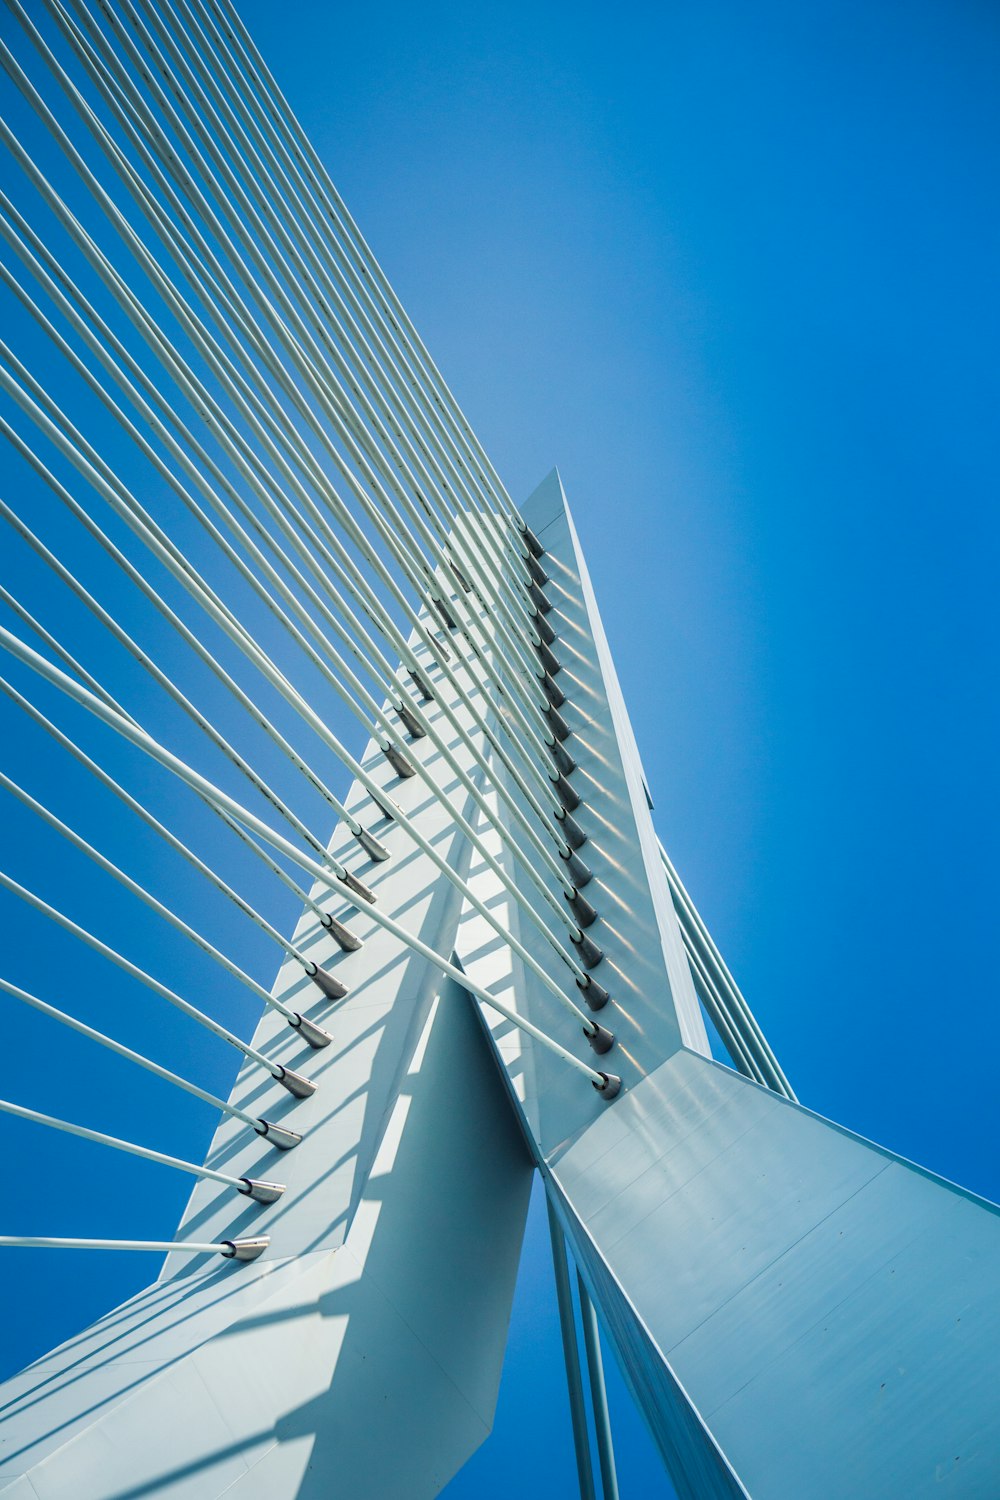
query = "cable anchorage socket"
{"x": 595, "y": 994}
{"x": 314, "y": 1035}
{"x": 534, "y": 545}
{"x": 247, "y": 1249}
{"x": 543, "y": 627}
{"x": 564, "y": 761}
{"x": 421, "y": 684}
{"x": 342, "y": 936}
{"x": 278, "y": 1135}
{"x": 578, "y": 872}
{"x": 538, "y": 599}
{"x": 332, "y": 988}
{"x": 610, "y": 1088}
{"x": 441, "y": 609}
{"x": 590, "y": 954}
{"x": 359, "y": 888}
{"x": 582, "y": 910}
{"x": 553, "y": 691}
{"x": 398, "y": 761}
{"x": 370, "y": 844}
{"x": 413, "y": 726}
{"x": 575, "y": 836}
{"x": 302, "y": 1088}
{"x": 601, "y": 1039}
{"x": 261, "y": 1192}
{"x": 557, "y": 723}
{"x": 569, "y": 799}
{"x": 548, "y": 658}
{"x": 535, "y": 569}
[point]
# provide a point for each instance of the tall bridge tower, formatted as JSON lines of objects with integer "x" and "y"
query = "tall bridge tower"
{"x": 277, "y": 553}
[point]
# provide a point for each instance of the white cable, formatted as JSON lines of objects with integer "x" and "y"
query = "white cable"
{"x": 372, "y": 705}
{"x": 283, "y": 1075}
{"x": 165, "y": 833}
{"x": 158, "y": 542}
{"x": 173, "y": 763}
{"x": 388, "y": 534}
{"x": 265, "y": 1192}
{"x": 239, "y": 1249}
{"x": 313, "y": 1034}
{"x": 730, "y": 997}
{"x": 258, "y": 1125}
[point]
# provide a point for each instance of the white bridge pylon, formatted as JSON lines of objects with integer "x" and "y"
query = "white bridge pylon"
{"x": 497, "y": 970}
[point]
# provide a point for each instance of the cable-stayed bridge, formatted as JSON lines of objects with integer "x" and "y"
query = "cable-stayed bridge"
{"x": 276, "y": 561}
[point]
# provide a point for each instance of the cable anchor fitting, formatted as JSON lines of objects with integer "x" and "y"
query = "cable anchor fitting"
{"x": 261, "y": 1192}
{"x": 601, "y": 1039}
{"x": 371, "y": 845}
{"x": 578, "y": 872}
{"x": 279, "y": 1136}
{"x": 332, "y": 988}
{"x": 590, "y": 954}
{"x": 398, "y": 761}
{"x": 549, "y": 660}
{"x": 572, "y": 832}
{"x": 314, "y": 1035}
{"x": 534, "y": 545}
{"x": 569, "y": 799}
{"x": 302, "y": 1088}
{"x": 564, "y": 761}
{"x": 247, "y": 1249}
{"x": 595, "y": 994}
{"x": 342, "y": 935}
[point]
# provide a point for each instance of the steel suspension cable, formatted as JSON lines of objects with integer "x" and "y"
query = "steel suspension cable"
{"x": 138, "y": 519}
{"x": 165, "y": 833}
{"x": 145, "y": 533}
{"x": 345, "y": 939}
{"x": 357, "y": 536}
{"x": 734, "y": 1007}
{"x": 278, "y": 1135}
{"x": 295, "y": 1084}
{"x": 116, "y": 218}
{"x": 263, "y": 1192}
{"x": 328, "y": 984}
{"x": 239, "y": 1249}
{"x": 138, "y": 737}
{"x": 191, "y": 580}
{"x": 370, "y": 276}
{"x": 313, "y": 1034}
{"x": 373, "y": 708}
{"x": 243, "y": 639}
{"x": 195, "y": 114}
{"x": 293, "y": 214}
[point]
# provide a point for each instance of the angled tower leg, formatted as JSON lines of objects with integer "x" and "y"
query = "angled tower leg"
{"x": 797, "y": 1311}
{"x": 800, "y": 1314}
{"x": 361, "y": 1355}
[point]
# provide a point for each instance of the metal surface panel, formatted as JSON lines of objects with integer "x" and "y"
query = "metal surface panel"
{"x": 646, "y": 845}
{"x": 890, "y": 1338}
{"x": 46, "y": 1405}
{"x": 653, "y": 1004}
{"x": 374, "y": 1029}
{"x": 367, "y": 1371}
{"x": 380, "y": 1310}
{"x": 831, "y": 1311}
{"x": 696, "y": 1464}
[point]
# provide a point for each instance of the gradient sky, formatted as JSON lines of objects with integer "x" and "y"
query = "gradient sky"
{"x": 733, "y": 269}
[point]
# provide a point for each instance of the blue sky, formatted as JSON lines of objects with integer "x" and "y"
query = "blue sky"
{"x": 732, "y": 268}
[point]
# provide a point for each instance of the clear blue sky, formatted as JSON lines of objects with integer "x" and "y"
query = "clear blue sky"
{"x": 733, "y": 269}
